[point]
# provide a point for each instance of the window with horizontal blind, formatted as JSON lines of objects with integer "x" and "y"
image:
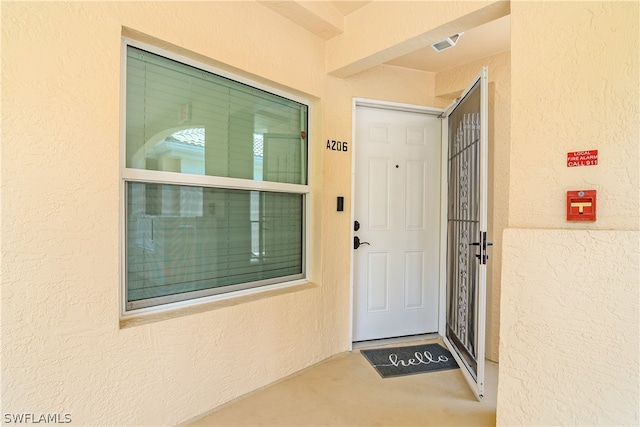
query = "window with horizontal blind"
{"x": 214, "y": 181}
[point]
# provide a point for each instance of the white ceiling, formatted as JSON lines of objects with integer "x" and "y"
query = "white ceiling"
{"x": 486, "y": 40}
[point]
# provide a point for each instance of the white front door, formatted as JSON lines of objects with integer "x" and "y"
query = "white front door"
{"x": 397, "y": 209}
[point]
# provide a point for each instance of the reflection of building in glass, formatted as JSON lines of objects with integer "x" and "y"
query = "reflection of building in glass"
{"x": 183, "y": 151}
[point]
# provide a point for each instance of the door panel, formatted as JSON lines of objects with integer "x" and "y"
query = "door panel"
{"x": 378, "y": 194}
{"x": 396, "y": 196}
{"x": 414, "y": 197}
{"x": 378, "y": 281}
{"x": 466, "y": 231}
{"x": 413, "y": 278}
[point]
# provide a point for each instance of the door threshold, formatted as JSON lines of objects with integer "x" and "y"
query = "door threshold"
{"x": 396, "y": 340}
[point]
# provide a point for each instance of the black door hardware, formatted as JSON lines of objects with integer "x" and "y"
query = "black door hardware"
{"x": 357, "y": 242}
{"x": 483, "y": 256}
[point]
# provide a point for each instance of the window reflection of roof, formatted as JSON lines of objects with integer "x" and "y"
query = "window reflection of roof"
{"x": 258, "y": 144}
{"x": 191, "y": 136}
{"x": 195, "y": 136}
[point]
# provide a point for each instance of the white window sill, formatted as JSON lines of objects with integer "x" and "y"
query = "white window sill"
{"x": 143, "y": 319}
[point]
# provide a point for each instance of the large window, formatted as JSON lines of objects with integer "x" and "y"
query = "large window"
{"x": 214, "y": 180}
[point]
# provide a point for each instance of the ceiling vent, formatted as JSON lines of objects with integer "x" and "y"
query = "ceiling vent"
{"x": 447, "y": 43}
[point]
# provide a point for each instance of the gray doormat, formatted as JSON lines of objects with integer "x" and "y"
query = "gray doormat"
{"x": 416, "y": 359}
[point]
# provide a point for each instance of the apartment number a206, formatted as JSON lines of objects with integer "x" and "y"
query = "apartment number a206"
{"x": 337, "y": 145}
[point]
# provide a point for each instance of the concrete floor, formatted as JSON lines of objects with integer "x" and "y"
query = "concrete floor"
{"x": 345, "y": 390}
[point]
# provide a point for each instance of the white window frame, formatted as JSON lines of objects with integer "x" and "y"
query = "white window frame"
{"x": 162, "y": 177}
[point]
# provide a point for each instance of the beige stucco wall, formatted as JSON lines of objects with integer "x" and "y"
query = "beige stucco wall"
{"x": 569, "y": 310}
{"x": 574, "y": 86}
{"x": 577, "y": 90}
{"x": 569, "y": 338}
{"x": 63, "y": 349}
{"x": 449, "y": 85}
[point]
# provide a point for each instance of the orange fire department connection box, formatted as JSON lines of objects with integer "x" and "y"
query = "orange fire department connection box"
{"x": 581, "y": 205}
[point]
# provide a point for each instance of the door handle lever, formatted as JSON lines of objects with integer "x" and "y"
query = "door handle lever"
{"x": 357, "y": 243}
{"x": 478, "y": 244}
{"x": 483, "y": 244}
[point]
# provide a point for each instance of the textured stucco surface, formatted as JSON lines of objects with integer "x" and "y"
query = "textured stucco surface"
{"x": 569, "y": 308}
{"x": 62, "y": 348}
{"x": 449, "y": 85}
{"x": 574, "y": 76}
{"x": 569, "y": 342}
{"x": 575, "y": 87}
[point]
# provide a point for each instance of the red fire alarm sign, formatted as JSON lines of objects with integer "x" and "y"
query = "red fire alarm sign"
{"x": 582, "y": 158}
{"x": 581, "y": 205}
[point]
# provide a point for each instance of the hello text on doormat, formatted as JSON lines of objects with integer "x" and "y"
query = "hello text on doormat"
{"x": 417, "y": 359}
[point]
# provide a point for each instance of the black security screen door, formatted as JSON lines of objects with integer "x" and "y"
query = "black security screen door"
{"x": 467, "y": 231}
